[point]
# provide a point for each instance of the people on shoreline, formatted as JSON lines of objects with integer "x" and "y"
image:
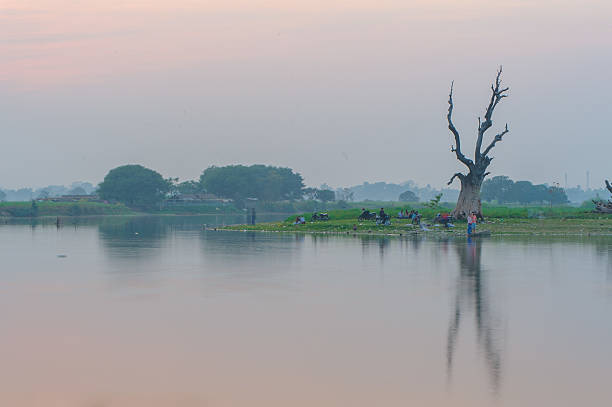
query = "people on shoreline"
{"x": 471, "y": 223}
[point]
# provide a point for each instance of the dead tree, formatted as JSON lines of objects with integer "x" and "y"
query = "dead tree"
{"x": 600, "y": 205}
{"x": 469, "y": 197}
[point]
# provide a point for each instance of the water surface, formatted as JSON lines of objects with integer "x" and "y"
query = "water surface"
{"x": 151, "y": 311}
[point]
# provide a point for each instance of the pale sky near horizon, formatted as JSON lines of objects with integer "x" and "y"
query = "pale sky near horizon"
{"x": 341, "y": 91}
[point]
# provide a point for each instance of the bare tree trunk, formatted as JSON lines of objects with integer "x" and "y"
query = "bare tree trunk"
{"x": 609, "y": 186}
{"x": 469, "y": 197}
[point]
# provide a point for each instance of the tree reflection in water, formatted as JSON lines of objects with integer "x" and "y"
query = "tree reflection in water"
{"x": 472, "y": 295}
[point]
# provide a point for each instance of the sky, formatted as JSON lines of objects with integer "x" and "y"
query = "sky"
{"x": 341, "y": 91}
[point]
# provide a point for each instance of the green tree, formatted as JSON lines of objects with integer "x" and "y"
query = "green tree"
{"x": 326, "y": 195}
{"x": 434, "y": 203}
{"x": 408, "y": 196}
{"x": 134, "y": 185}
{"x": 190, "y": 187}
{"x": 557, "y": 196}
{"x": 266, "y": 183}
{"x": 497, "y": 189}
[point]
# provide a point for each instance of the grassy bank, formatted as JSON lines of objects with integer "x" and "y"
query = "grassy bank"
{"x": 499, "y": 221}
{"x": 27, "y": 209}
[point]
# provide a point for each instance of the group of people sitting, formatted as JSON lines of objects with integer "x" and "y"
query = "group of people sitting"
{"x": 444, "y": 219}
{"x": 413, "y": 215}
{"x": 300, "y": 220}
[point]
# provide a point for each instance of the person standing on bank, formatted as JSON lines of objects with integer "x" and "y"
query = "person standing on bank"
{"x": 471, "y": 223}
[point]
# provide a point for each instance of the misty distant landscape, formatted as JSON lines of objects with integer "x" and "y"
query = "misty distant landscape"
{"x": 305, "y": 203}
{"x": 368, "y": 191}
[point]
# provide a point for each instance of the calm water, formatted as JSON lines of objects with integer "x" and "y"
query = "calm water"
{"x": 158, "y": 312}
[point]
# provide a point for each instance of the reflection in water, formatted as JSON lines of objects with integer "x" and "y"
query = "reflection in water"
{"x": 236, "y": 244}
{"x": 472, "y": 296}
{"x": 156, "y": 311}
{"x": 603, "y": 247}
{"x": 132, "y": 236}
{"x": 380, "y": 242}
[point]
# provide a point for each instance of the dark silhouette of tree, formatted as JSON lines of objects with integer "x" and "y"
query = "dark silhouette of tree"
{"x": 325, "y": 195}
{"x": 472, "y": 296}
{"x": 504, "y": 190}
{"x": 265, "y": 183}
{"x": 602, "y": 206}
{"x": 134, "y": 185}
{"x": 469, "y": 197}
{"x": 408, "y": 196}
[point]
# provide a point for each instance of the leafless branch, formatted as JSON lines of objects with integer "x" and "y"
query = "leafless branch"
{"x": 457, "y": 175}
{"x": 497, "y": 94}
{"x": 497, "y": 138}
{"x": 453, "y": 129}
{"x": 609, "y": 186}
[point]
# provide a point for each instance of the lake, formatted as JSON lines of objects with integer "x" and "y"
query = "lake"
{"x": 157, "y": 311}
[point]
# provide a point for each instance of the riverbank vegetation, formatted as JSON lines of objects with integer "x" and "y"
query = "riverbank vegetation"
{"x": 534, "y": 220}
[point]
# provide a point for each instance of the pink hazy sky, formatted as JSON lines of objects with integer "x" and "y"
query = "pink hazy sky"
{"x": 341, "y": 91}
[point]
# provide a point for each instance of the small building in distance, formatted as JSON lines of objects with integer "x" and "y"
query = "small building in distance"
{"x": 71, "y": 198}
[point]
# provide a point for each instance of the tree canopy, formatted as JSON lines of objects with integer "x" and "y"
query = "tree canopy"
{"x": 326, "y": 195}
{"x": 133, "y": 185}
{"x": 504, "y": 190}
{"x": 266, "y": 183}
{"x": 408, "y": 196}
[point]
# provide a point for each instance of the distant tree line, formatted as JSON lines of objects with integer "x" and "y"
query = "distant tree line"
{"x": 138, "y": 186}
{"x": 27, "y": 194}
{"x": 409, "y": 196}
{"x": 383, "y": 191}
{"x": 503, "y": 190}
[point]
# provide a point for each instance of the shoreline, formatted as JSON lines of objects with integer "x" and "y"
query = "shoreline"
{"x": 496, "y": 228}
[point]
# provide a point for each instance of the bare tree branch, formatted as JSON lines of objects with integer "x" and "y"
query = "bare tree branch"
{"x": 495, "y": 140}
{"x": 457, "y": 175}
{"x": 457, "y": 149}
{"x": 497, "y": 94}
{"x": 609, "y": 186}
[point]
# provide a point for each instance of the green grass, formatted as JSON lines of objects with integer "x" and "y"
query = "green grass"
{"x": 498, "y": 220}
{"x": 524, "y": 212}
